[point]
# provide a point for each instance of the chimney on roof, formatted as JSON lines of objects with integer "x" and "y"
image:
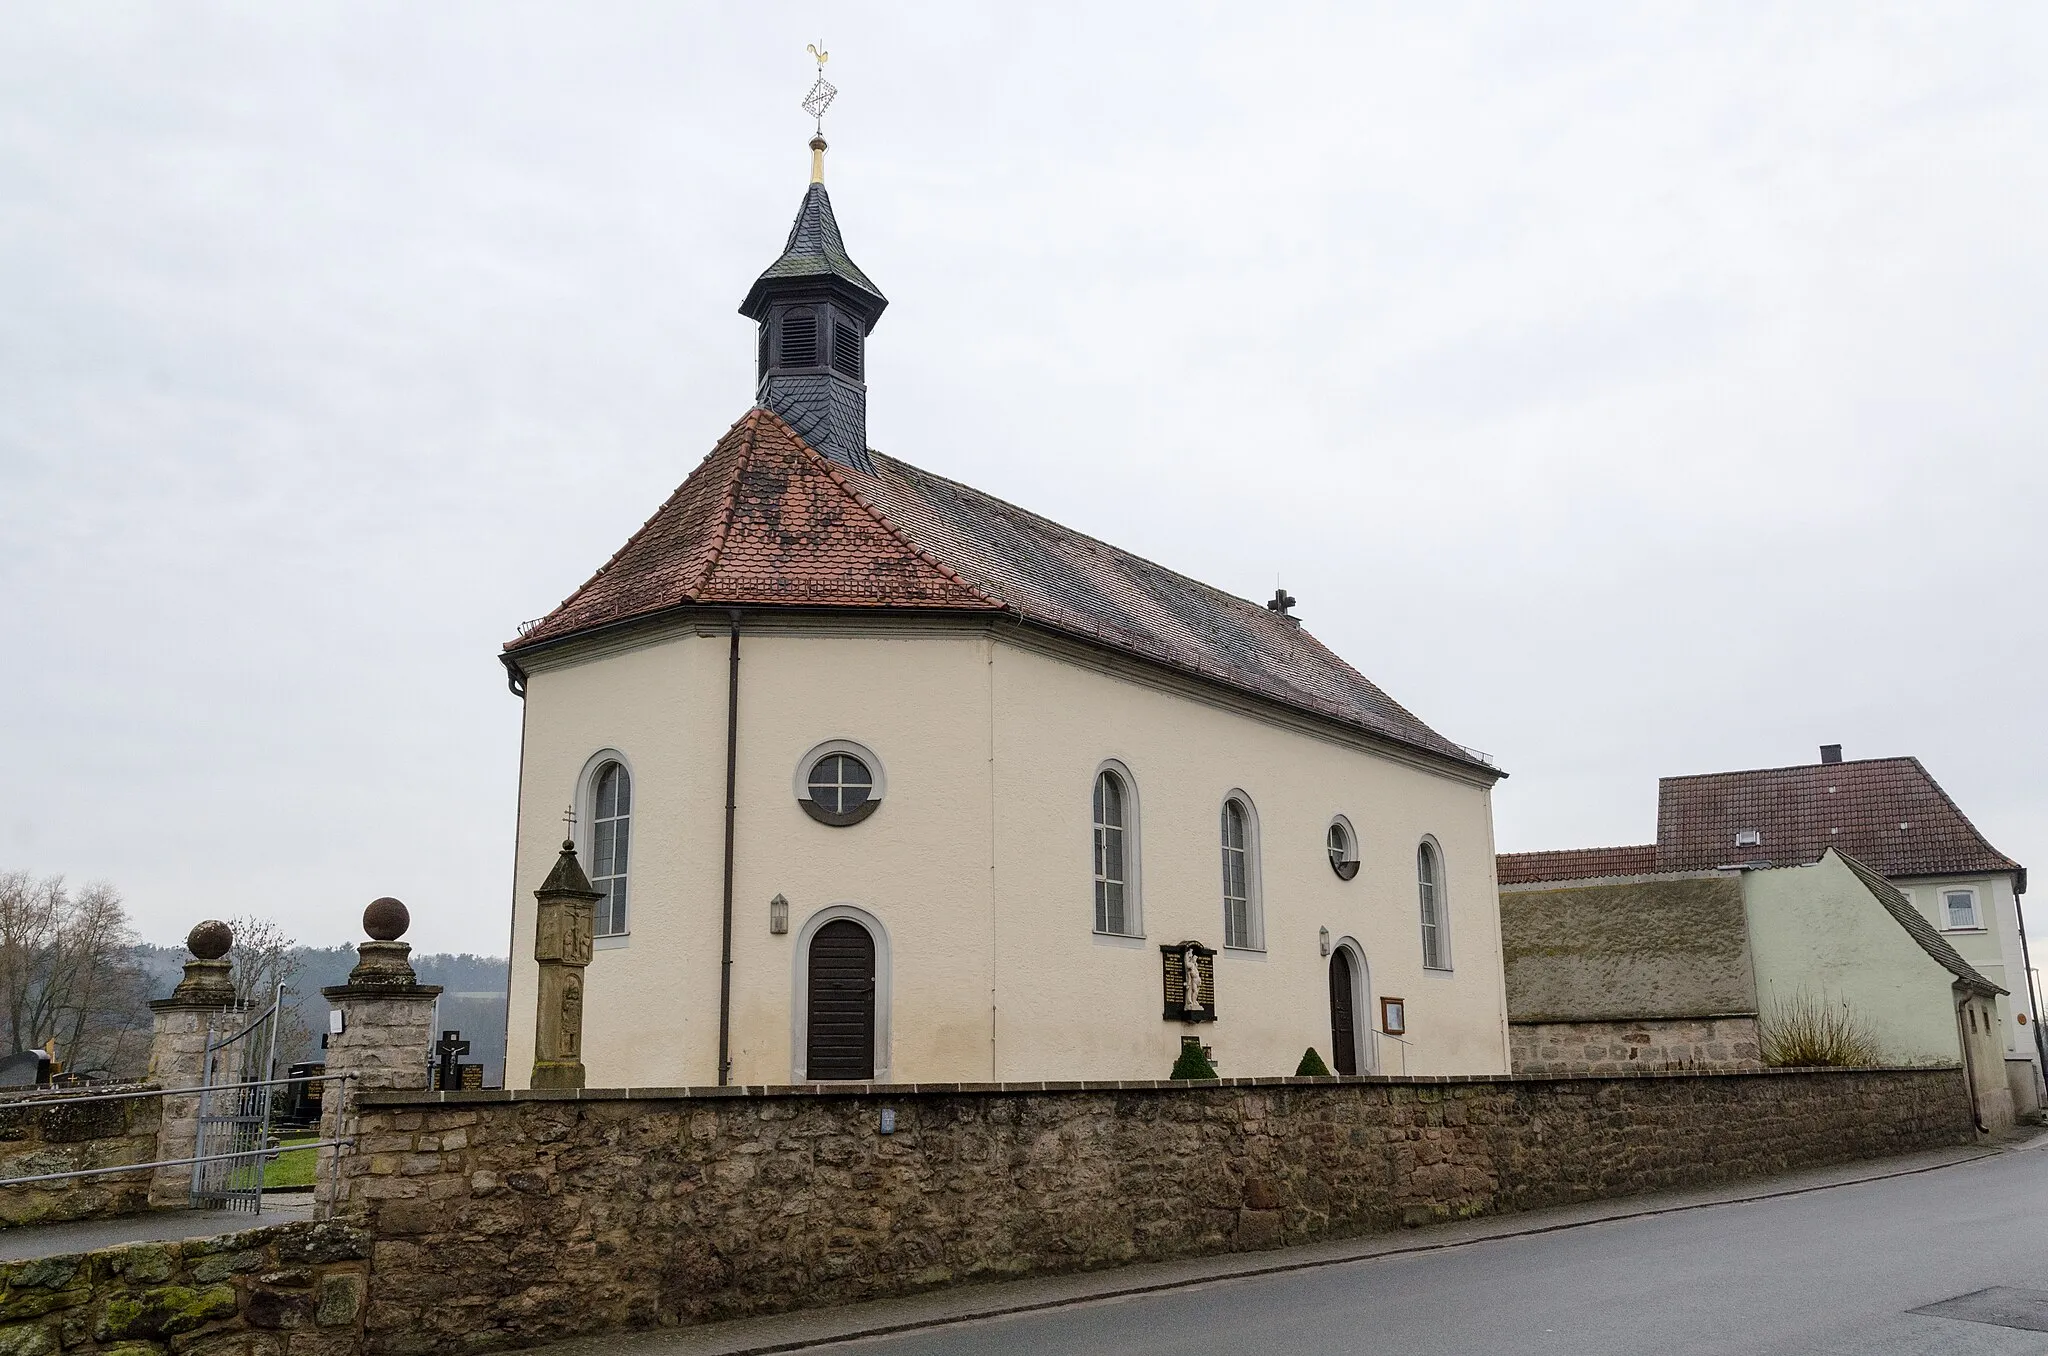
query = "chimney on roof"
{"x": 1831, "y": 753}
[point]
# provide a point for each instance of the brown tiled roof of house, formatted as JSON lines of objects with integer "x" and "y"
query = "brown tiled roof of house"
{"x": 1526, "y": 868}
{"x": 1887, "y": 813}
{"x": 767, "y": 521}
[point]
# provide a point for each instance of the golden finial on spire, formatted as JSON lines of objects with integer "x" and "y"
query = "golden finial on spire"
{"x": 815, "y": 104}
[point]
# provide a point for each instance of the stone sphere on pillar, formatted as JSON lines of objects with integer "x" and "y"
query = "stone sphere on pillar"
{"x": 210, "y": 940}
{"x": 386, "y": 919}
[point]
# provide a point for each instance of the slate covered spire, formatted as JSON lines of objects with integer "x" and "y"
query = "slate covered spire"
{"x": 815, "y": 309}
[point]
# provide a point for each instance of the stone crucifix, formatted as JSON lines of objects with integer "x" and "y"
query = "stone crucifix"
{"x": 561, "y": 946}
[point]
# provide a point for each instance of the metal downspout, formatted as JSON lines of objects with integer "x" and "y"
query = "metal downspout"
{"x": 2033, "y": 997}
{"x": 732, "y": 748}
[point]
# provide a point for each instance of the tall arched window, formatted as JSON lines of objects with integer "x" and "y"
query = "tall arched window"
{"x": 1429, "y": 887}
{"x": 611, "y": 825}
{"x": 1113, "y": 858}
{"x": 1241, "y": 922}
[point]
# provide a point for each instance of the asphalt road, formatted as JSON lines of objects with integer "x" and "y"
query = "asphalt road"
{"x": 1833, "y": 1271}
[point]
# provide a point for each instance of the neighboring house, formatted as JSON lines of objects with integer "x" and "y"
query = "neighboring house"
{"x": 966, "y": 790}
{"x": 1886, "y": 812}
{"x": 1692, "y": 970}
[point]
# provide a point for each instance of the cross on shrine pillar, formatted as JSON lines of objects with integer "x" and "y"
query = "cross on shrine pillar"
{"x": 562, "y": 932}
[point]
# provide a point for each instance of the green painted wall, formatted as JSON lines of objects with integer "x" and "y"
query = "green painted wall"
{"x": 1819, "y": 929}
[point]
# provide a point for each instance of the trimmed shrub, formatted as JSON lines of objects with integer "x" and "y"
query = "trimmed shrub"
{"x": 1311, "y": 1065}
{"x": 1192, "y": 1062}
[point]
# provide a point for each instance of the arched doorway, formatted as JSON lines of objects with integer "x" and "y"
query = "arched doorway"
{"x": 839, "y": 1032}
{"x": 1343, "y": 1011}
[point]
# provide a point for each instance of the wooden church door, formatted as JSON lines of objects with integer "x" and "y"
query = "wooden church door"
{"x": 1343, "y": 1021}
{"x": 840, "y": 1027}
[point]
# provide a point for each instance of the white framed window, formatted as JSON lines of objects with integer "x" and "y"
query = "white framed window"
{"x": 1341, "y": 841}
{"x": 611, "y": 841}
{"x": 1114, "y": 812}
{"x": 1959, "y": 912}
{"x": 1243, "y": 927}
{"x": 1429, "y": 889}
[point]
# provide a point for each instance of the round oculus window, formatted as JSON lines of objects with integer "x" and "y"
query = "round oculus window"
{"x": 1343, "y": 851}
{"x": 840, "y": 790}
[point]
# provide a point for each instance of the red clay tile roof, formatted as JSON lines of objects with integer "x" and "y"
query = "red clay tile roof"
{"x": 766, "y": 521}
{"x": 1524, "y": 868}
{"x": 1887, "y": 813}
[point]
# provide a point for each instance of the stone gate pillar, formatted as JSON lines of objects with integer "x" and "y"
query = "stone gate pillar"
{"x": 387, "y": 1020}
{"x": 562, "y": 930}
{"x": 177, "y": 1053}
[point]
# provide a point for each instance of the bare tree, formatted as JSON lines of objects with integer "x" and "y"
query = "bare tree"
{"x": 265, "y": 957}
{"x": 67, "y": 973}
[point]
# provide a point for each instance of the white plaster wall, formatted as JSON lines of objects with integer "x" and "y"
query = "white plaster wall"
{"x": 1097, "y": 1012}
{"x": 1819, "y": 930}
{"x": 1994, "y": 949}
{"x": 977, "y": 864}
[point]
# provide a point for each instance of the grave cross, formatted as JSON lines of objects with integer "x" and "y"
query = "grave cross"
{"x": 449, "y": 1048}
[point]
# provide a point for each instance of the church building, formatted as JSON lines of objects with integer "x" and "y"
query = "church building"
{"x": 879, "y": 778}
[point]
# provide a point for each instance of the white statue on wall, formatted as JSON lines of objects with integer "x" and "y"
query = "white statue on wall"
{"x": 1191, "y": 980}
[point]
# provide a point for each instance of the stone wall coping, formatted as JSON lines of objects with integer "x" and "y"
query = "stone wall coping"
{"x": 1638, "y": 1018}
{"x": 70, "y": 1096}
{"x": 901, "y": 1090}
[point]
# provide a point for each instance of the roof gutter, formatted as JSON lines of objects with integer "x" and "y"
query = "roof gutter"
{"x": 515, "y": 677}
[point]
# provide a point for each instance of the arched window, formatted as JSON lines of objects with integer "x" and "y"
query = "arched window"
{"x": 1115, "y": 891}
{"x": 1429, "y": 887}
{"x": 1241, "y": 922}
{"x": 611, "y": 827}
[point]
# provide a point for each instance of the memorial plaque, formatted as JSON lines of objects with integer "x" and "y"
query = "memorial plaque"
{"x": 1185, "y": 1002}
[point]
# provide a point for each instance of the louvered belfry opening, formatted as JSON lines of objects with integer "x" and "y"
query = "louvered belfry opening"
{"x": 839, "y": 1039}
{"x": 816, "y": 309}
{"x": 846, "y": 349}
{"x": 799, "y": 340}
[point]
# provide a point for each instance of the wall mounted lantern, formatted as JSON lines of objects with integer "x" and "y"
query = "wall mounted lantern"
{"x": 1324, "y": 938}
{"x": 778, "y": 915}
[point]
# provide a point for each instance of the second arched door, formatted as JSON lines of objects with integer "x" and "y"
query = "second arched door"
{"x": 839, "y": 1028}
{"x": 1343, "y": 1014}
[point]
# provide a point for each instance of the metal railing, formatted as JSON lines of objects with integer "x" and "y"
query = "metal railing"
{"x": 235, "y": 1158}
{"x": 1379, "y": 1064}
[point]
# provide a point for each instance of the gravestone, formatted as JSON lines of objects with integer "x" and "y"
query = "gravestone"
{"x": 450, "y": 1073}
{"x": 25, "y": 1069}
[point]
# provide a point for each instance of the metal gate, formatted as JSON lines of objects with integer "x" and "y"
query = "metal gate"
{"x": 235, "y": 1108}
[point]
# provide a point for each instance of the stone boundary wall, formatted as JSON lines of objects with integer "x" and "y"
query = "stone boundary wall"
{"x": 1657, "y": 1045}
{"x": 509, "y": 1219}
{"x": 288, "y": 1290}
{"x": 46, "y": 1132}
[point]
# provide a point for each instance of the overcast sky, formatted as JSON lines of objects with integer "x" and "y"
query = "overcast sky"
{"x": 1629, "y": 390}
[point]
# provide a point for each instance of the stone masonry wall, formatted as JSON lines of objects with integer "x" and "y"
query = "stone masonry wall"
{"x": 1664, "y": 1045}
{"x": 504, "y": 1219}
{"x": 47, "y": 1132}
{"x": 289, "y": 1290}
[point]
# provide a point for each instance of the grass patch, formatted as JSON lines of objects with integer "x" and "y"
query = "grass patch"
{"x": 292, "y": 1169}
{"x": 1804, "y": 1032}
